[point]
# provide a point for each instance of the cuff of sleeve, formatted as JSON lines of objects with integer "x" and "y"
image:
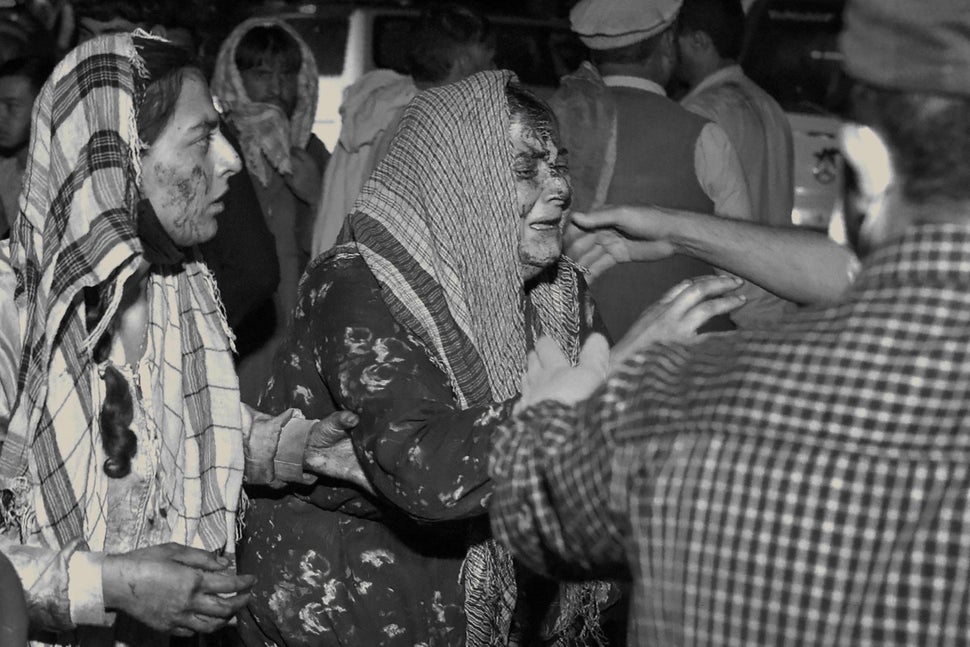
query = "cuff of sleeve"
{"x": 84, "y": 589}
{"x": 288, "y": 463}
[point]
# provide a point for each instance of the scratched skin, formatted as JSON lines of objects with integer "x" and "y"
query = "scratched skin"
{"x": 336, "y": 567}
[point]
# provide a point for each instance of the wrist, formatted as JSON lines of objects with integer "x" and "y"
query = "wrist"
{"x": 113, "y": 582}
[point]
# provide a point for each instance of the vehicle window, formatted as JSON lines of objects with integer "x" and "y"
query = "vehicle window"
{"x": 792, "y": 52}
{"x": 538, "y": 54}
{"x": 327, "y": 39}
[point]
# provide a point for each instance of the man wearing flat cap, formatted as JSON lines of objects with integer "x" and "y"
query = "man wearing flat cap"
{"x": 630, "y": 144}
{"x": 807, "y": 484}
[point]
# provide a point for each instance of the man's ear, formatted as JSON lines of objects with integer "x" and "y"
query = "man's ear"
{"x": 701, "y": 40}
{"x": 869, "y": 154}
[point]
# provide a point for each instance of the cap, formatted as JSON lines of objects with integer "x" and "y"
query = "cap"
{"x": 916, "y": 45}
{"x": 607, "y": 24}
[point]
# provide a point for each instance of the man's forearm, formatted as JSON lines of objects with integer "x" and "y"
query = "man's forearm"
{"x": 797, "y": 264}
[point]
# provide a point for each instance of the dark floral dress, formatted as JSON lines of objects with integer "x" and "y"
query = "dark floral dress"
{"x": 336, "y": 566}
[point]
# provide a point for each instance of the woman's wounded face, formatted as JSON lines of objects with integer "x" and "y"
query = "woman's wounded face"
{"x": 185, "y": 172}
{"x": 543, "y": 192}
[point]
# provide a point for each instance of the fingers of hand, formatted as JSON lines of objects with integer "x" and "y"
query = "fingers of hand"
{"x": 693, "y": 291}
{"x": 197, "y": 558}
{"x": 701, "y": 313}
{"x": 215, "y": 606}
{"x": 595, "y": 354}
{"x": 226, "y": 583}
{"x": 549, "y": 353}
{"x": 192, "y": 623}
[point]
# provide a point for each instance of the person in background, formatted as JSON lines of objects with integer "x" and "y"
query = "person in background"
{"x": 709, "y": 38}
{"x": 630, "y": 144}
{"x": 808, "y": 484}
{"x": 122, "y": 463}
{"x": 448, "y": 42}
{"x": 265, "y": 80}
{"x": 20, "y": 81}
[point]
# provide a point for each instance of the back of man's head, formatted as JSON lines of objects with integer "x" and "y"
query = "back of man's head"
{"x": 911, "y": 62}
{"x": 721, "y": 20}
{"x": 443, "y": 33}
{"x": 637, "y": 53}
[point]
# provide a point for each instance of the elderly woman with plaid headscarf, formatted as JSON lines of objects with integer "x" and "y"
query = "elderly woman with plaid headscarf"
{"x": 421, "y": 324}
{"x": 127, "y": 444}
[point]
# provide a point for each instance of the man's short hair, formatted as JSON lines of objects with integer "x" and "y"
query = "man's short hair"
{"x": 631, "y": 54}
{"x": 929, "y": 136}
{"x": 260, "y": 45}
{"x": 437, "y": 38}
{"x": 721, "y": 20}
{"x": 33, "y": 68}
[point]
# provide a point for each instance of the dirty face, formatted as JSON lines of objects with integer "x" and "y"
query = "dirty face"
{"x": 543, "y": 195}
{"x": 186, "y": 171}
{"x": 272, "y": 82}
{"x": 16, "y": 100}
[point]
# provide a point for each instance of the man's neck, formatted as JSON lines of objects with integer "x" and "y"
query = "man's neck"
{"x": 704, "y": 69}
{"x": 640, "y": 71}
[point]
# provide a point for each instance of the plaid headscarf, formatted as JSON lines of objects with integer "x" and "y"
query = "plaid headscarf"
{"x": 77, "y": 229}
{"x": 265, "y": 133}
{"x": 438, "y": 226}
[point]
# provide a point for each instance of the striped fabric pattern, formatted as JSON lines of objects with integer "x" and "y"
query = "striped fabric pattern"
{"x": 437, "y": 224}
{"x": 807, "y": 484}
{"x": 76, "y": 229}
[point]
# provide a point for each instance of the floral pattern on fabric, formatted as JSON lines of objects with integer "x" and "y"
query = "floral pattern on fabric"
{"x": 336, "y": 566}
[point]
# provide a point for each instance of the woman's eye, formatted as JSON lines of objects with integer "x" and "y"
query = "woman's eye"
{"x": 525, "y": 169}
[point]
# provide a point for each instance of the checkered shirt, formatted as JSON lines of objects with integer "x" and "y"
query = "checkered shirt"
{"x": 803, "y": 485}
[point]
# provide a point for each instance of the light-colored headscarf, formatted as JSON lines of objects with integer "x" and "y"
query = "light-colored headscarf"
{"x": 265, "y": 133}
{"x": 78, "y": 230}
{"x": 438, "y": 226}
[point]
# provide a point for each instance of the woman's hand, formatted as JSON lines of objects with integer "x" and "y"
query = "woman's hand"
{"x": 329, "y": 451}
{"x": 679, "y": 313}
{"x": 174, "y": 589}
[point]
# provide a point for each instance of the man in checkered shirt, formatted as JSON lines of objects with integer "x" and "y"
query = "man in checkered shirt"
{"x": 807, "y": 484}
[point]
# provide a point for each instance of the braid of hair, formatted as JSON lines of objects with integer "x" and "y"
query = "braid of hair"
{"x": 117, "y": 411}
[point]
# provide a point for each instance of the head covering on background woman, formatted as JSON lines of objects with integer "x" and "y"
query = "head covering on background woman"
{"x": 266, "y": 132}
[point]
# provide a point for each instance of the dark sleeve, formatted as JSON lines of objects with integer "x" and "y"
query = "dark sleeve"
{"x": 242, "y": 256}
{"x": 423, "y": 455}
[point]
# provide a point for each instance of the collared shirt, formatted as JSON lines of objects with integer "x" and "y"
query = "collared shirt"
{"x": 759, "y": 130}
{"x": 804, "y": 485}
{"x": 716, "y": 163}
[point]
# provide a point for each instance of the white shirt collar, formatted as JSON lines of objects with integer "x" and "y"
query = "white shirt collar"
{"x": 724, "y": 74}
{"x": 635, "y": 82}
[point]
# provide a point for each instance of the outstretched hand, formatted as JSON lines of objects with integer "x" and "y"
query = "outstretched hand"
{"x": 549, "y": 375}
{"x": 679, "y": 313}
{"x": 330, "y": 452}
{"x": 602, "y": 238}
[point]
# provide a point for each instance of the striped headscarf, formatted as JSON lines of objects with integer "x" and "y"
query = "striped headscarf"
{"x": 77, "y": 229}
{"x": 438, "y": 226}
{"x": 265, "y": 133}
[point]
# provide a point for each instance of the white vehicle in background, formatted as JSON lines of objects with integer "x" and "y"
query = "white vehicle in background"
{"x": 791, "y": 50}
{"x": 350, "y": 39}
